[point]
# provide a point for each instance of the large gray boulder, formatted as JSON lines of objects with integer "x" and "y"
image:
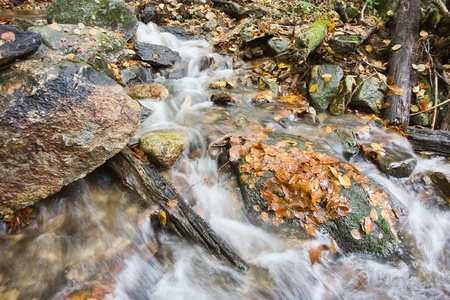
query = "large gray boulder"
{"x": 113, "y": 15}
{"x": 156, "y": 55}
{"x": 15, "y": 44}
{"x": 58, "y": 122}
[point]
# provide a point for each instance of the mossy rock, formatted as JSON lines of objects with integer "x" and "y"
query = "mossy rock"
{"x": 256, "y": 184}
{"x": 164, "y": 148}
{"x": 109, "y": 14}
{"x": 322, "y": 90}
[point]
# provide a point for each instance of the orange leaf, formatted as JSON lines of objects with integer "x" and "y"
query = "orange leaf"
{"x": 310, "y": 229}
{"x": 374, "y": 214}
{"x": 172, "y": 203}
{"x": 155, "y": 56}
{"x": 334, "y": 246}
{"x": 314, "y": 254}
{"x": 345, "y": 181}
{"x": 367, "y": 225}
{"x": 8, "y": 36}
{"x": 264, "y": 216}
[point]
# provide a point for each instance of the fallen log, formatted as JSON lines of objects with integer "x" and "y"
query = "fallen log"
{"x": 406, "y": 28}
{"x": 424, "y": 139}
{"x": 153, "y": 188}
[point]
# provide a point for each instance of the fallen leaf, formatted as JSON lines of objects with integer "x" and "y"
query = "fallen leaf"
{"x": 376, "y": 146}
{"x": 345, "y": 181}
{"x": 423, "y": 33}
{"x": 414, "y": 108}
{"x": 310, "y": 229}
{"x": 355, "y": 234}
{"x": 313, "y": 88}
{"x": 256, "y": 208}
{"x": 163, "y": 218}
{"x": 369, "y": 48}
{"x": 155, "y": 56}
{"x": 8, "y": 36}
{"x": 71, "y": 55}
{"x": 264, "y": 216}
{"x": 314, "y": 254}
{"x": 395, "y": 90}
{"x": 373, "y": 214}
{"x": 81, "y": 25}
{"x": 367, "y": 225}
{"x": 396, "y": 47}
{"x": 327, "y": 77}
{"x": 416, "y": 89}
{"x": 333, "y": 246}
{"x": 172, "y": 203}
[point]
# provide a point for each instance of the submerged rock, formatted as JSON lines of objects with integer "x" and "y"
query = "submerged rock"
{"x": 113, "y": 15}
{"x": 324, "y": 85}
{"x": 156, "y": 55}
{"x": 59, "y": 121}
{"x": 164, "y": 148}
{"x": 16, "y": 44}
{"x": 289, "y": 180}
{"x": 396, "y": 161}
{"x": 152, "y": 90}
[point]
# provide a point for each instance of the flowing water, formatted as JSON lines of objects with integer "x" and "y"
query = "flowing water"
{"x": 95, "y": 240}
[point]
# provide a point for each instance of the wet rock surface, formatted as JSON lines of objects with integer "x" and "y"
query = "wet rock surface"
{"x": 280, "y": 188}
{"x": 324, "y": 85}
{"x": 16, "y": 44}
{"x": 396, "y": 161}
{"x": 156, "y": 55}
{"x": 59, "y": 121}
{"x": 109, "y": 14}
{"x": 369, "y": 95}
{"x": 164, "y": 148}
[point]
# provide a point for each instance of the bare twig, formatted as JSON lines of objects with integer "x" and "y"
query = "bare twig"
{"x": 362, "y": 11}
{"x": 435, "y": 98}
{"x": 431, "y": 108}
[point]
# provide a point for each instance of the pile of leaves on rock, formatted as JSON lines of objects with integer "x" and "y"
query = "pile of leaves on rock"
{"x": 305, "y": 183}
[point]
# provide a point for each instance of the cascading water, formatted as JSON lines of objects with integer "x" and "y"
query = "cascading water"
{"x": 95, "y": 237}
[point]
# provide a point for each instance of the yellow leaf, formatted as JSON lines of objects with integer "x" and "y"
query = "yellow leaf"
{"x": 369, "y": 48}
{"x": 313, "y": 88}
{"x": 414, "y": 108}
{"x": 345, "y": 181}
{"x": 396, "y": 47}
{"x": 416, "y": 89}
{"x": 163, "y": 218}
{"x": 423, "y": 33}
{"x": 376, "y": 146}
{"x": 81, "y": 25}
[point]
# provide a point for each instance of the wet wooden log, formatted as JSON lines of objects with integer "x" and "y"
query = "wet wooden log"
{"x": 424, "y": 139}
{"x": 153, "y": 188}
{"x": 406, "y": 29}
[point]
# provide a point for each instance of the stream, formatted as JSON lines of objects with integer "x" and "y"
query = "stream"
{"x": 95, "y": 240}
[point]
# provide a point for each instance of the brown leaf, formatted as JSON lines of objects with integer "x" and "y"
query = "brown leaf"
{"x": 172, "y": 203}
{"x": 334, "y": 246}
{"x": 395, "y": 90}
{"x": 355, "y": 234}
{"x": 367, "y": 225}
{"x": 310, "y": 229}
{"x": 155, "y": 56}
{"x": 8, "y": 36}
{"x": 314, "y": 254}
